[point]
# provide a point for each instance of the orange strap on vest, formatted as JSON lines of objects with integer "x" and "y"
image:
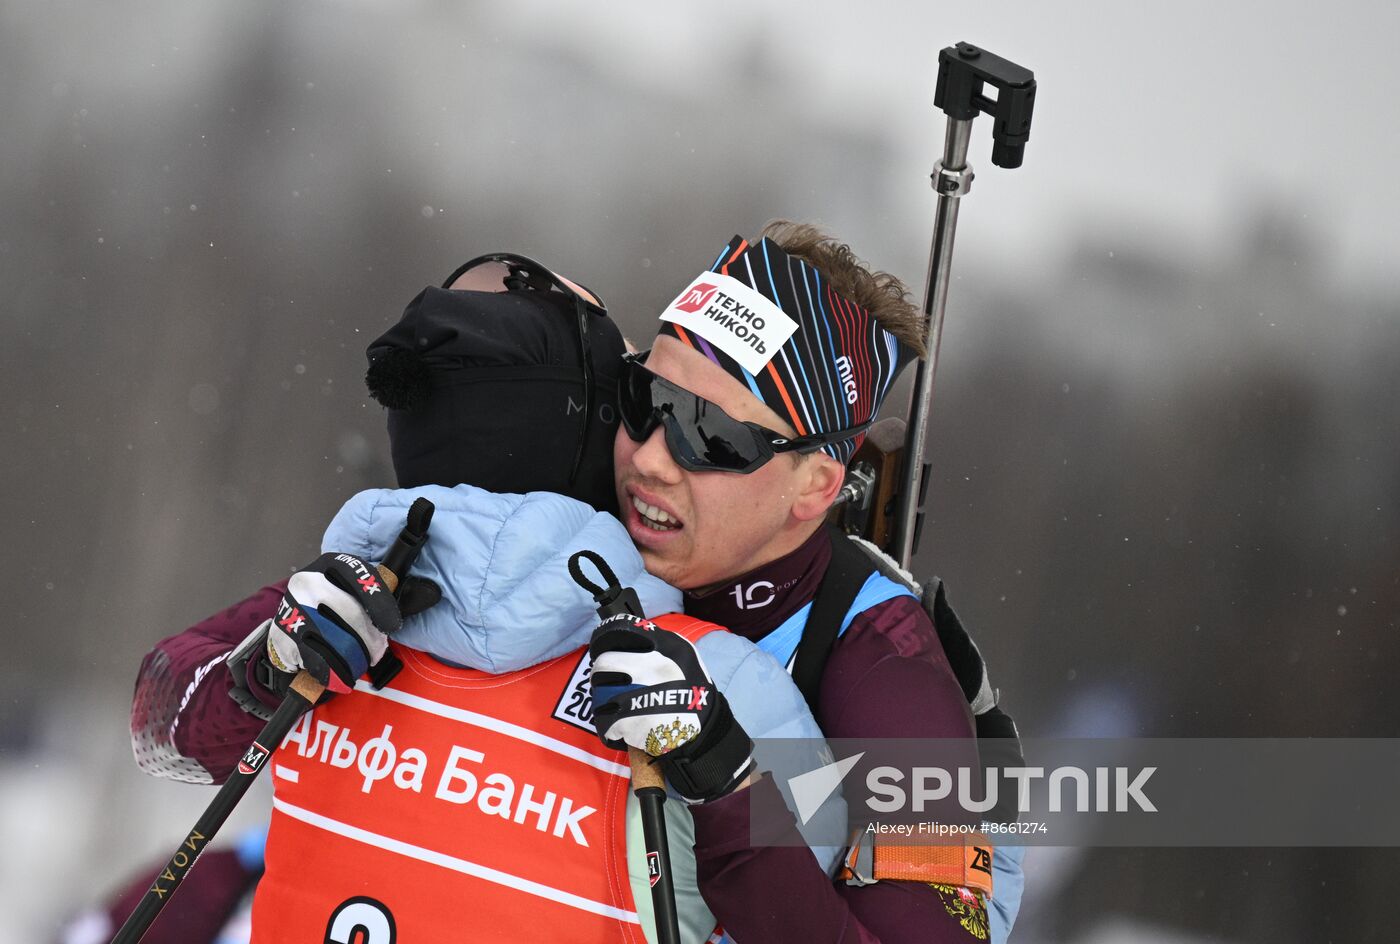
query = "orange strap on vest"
{"x": 965, "y": 865}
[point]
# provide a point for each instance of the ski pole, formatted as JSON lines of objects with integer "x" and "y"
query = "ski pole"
{"x": 650, "y": 789}
{"x": 648, "y": 784}
{"x": 304, "y": 693}
{"x": 965, "y": 73}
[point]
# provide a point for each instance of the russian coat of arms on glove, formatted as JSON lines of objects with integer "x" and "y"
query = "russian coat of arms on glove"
{"x": 668, "y": 737}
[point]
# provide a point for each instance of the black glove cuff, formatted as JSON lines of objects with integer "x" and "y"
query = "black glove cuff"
{"x": 248, "y": 661}
{"x": 716, "y": 762}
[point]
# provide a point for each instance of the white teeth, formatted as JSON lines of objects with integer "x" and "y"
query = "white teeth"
{"x": 654, "y": 517}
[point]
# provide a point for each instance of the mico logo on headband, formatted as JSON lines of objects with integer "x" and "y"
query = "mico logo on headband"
{"x": 733, "y": 317}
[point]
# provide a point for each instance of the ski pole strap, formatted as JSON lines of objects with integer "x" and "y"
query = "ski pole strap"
{"x": 393, "y": 569}
{"x": 406, "y": 547}
{"x": 612, "y": 599}
{"x": 966, "y": 864}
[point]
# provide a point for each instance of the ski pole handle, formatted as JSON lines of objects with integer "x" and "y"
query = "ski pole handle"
{"x": 404, "y": 551}
{"x": 650, "y": 788}
{"x": 645, "y": 773}
{"x": 305, "y": 685}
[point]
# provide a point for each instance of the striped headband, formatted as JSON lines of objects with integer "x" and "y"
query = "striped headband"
{"x": 775, "y": 325}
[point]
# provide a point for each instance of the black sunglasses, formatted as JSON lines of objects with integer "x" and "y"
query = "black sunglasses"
{"x": 700, "y": 435}
{"x": 521, "y": 273}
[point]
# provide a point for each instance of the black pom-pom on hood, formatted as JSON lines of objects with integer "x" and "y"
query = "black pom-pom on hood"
{"x": 398, "y": 378}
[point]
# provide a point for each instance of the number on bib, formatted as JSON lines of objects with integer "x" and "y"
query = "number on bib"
{"x": 361, "y": 920}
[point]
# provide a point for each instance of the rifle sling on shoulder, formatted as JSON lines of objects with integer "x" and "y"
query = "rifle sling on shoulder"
{"x": 998, "y": 742}
{"x": 847, "y": 573}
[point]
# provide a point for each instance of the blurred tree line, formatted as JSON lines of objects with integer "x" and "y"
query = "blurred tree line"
{"x": 1163, "y": 488}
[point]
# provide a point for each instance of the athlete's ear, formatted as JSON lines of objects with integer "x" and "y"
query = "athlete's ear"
{"x": 820, "y": 478}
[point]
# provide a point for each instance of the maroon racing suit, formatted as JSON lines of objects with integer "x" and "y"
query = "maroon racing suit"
{"x": 184, "y": 725}
{"x": 886, "y": 677}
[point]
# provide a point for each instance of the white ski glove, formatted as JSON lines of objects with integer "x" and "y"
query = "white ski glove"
{"x": 333, "y": 621}
{"x": 651, "y": 691}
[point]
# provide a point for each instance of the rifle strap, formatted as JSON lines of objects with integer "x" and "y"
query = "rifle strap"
{"x": 846, "y": 574}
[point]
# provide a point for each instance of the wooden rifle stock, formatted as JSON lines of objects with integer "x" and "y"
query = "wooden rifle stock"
{"x": 883, "y": 451}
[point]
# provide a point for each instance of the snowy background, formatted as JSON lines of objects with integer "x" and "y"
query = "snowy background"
{"x": 1167, "y": 438}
